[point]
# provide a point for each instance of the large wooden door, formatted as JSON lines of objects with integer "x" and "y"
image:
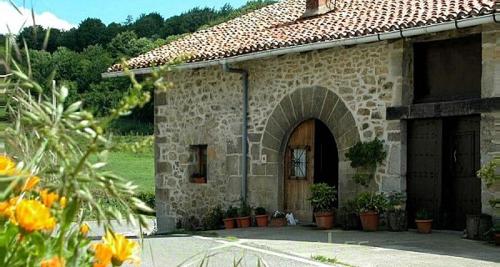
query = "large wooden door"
{"x": 299, "y": 170}
{"x": 461, "y": 187}
{"x": 443, "y": 158}
{"x": 424, "y": 167}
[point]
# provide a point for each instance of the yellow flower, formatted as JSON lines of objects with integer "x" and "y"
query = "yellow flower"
{"x": 102, "y": 254}
{"x": 48, "y": 198}
{"x": 31, "y": 215}
{"x": 122, "y": 248}
{"x": 7, "y": 208}
{"x": 84, "y": 229}
{"x": 31, "y": 182}
{"x": 7, "y": 166}
{"x": 62, "y": 202}
{"x": 53, "y": 262}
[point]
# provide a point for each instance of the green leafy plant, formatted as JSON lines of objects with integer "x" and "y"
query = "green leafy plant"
{"x": 365, "y": 156}
{"x": 213, "y": 219}
{"x": 231, "y": 213}
{"x": 260, "y": 211}
{"x": 488, "y": 172}
{"x": 369, "y": 201}
{"x": 245, "y": 210}
{"x": 278, "y": 215}
{"x": 423, "y": 214}
{"x": 396, "y": 200}
{"x": 322, "y": 197}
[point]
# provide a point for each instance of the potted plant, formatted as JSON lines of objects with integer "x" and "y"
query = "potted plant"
{"x": 229, "y": 217}
{"x": 278, "y": 219}
{"x": 198, "y": 178}
{"x": 370, "y": 205}
{"x": 349, "y": 216}
{"x": 261, "y": 217}
{"x": 396, "y": 212}
{"x": 322, "y": 200}
{"x": 496, "y": 234}
{"x": 423, "y": 220}
{"x": 364, "y": 157}
{"x": 244, "y": 212}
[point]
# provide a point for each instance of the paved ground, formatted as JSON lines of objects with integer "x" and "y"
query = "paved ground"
{"x": 294, "y": 246}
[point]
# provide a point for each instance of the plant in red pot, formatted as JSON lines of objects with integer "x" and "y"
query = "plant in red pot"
{"x": 278, "y": 219}
{"x": 261, "y": 217}
{"x": 323, "y": 197}
{"x": 229, "y": 217}
{"x": 423, "y": 220}
{"x": 370, "y": 205}
{"x": 244, "y": 212}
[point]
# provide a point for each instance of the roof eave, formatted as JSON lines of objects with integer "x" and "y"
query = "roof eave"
{"x": 440, "y": 27}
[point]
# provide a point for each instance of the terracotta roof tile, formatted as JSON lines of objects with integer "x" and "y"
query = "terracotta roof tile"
{"x": 280, "y": 25}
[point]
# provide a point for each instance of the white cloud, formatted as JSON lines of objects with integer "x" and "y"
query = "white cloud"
{"x": 11, "y": 17}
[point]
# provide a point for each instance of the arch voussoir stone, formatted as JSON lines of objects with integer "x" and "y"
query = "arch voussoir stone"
{"x": 318, "y": 99}
{"x": 307, "y": 101}
{"x": 296, "y": 99}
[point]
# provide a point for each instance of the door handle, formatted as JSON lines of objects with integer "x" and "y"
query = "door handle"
{"x": 455, "y": 155}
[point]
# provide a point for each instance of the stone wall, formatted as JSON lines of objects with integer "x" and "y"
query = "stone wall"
{"x": 490, "y": 122}
{"x": 347, "y": 88}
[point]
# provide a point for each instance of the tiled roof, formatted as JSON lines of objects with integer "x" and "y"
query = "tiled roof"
{"x": 280, "y": 25}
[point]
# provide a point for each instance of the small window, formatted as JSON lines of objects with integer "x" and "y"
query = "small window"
{"x": 199, "y": 174}
{"x": 299, "y": 163}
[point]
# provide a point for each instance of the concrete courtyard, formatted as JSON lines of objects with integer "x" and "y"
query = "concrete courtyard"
{"x": 295, "y": 246}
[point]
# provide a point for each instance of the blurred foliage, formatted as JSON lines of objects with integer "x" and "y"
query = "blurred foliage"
{"x": 79, "y": 56}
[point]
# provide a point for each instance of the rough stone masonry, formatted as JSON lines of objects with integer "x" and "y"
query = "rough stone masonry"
{"x": 347, "y": 88}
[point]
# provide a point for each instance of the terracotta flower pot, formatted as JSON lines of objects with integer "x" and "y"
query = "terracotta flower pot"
{"x": 198, "y": 180}
{"x": 261, "y": 220}
{"x": 278, "y": 222}
{"x": 369, "y": 220}
{"x": 424, "y": 226}
{"x": 229, "y": 223}
{"x": 324, "y": 220}
{"x": 243, "y": 222}
{"x": 497, "y": 239}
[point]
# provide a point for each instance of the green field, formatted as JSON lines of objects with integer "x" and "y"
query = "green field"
{"x": 136, "y": 167}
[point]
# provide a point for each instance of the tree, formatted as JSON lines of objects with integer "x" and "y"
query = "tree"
{"x": 126, "y": 45}
{"x": 149, "y": 26}
{"x": 90, "y": 32}
{"x": 35, "y": 38}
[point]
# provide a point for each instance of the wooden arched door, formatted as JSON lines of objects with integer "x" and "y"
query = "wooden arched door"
{"x": 310, "y": 156}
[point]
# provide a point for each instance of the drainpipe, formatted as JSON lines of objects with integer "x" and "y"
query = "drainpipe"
{"x": 244, "y": 146}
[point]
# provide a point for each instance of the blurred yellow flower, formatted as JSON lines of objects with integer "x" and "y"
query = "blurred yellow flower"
{"x": 122, "y": 248}
{"x": 7, "y": 208}
{"x": 102, "y": 254}
{"x": 62, "y": 202}
{"x": 31, "y": 215}
{"x": 7, "y": 166}
{"x": 84, "y": 229}
{"x": 53, "y": 262}
{"x": 48, "y": 198}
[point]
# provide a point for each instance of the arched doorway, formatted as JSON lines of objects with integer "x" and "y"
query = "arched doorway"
{"x": 311, "y": 156}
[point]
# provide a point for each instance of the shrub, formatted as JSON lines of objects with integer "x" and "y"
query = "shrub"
{"x": 368, "y": 201}
{"x": 366, "y": 154}
{"x": 322, "y": 197}
{"x": 260, "y": 211}
{"x": 423, "y": 214}
{"x": 213, "y": 219}
{"x": 191, "y": 223}
{"x": 245, "y": 210}
{"x": 231, "y": 213}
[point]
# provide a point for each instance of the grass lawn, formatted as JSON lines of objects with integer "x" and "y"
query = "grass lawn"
{"x": 136, "y": 167}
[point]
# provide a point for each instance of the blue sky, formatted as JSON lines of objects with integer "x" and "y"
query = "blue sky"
{"x": 74, "y": 11}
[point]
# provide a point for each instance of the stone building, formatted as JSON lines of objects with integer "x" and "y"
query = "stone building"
{"x": 314, "y": 78}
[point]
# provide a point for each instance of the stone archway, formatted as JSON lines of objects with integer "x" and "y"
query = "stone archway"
{"x": 311, "y": 103}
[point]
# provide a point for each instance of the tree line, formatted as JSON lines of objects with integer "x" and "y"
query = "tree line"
{"x": 81, "y": 54}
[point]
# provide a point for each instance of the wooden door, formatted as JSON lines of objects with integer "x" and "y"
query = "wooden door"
{"x": 461, "y": 187}
{"x": 424, "y": 167}
{"x": 299, "y": 170}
